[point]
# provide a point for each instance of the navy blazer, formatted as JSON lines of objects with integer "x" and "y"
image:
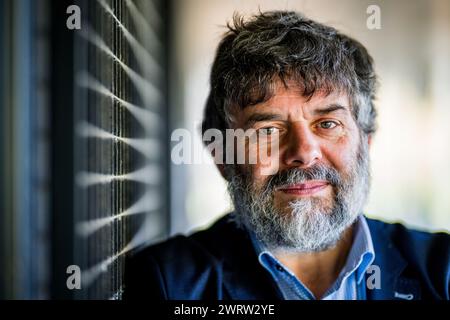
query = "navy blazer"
{"x": 221, "y": 263}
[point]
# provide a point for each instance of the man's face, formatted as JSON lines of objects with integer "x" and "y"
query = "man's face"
{"x": 322, "y": 177}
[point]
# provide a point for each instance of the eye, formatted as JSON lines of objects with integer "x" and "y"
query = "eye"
{"x": 268, "y": 130}
{"x": 328, "y": 125}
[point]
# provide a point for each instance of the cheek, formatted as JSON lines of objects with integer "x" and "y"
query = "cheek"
{"x": 341, "y": 154}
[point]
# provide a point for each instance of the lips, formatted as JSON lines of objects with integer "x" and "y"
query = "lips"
{"x": 305, "y": 188}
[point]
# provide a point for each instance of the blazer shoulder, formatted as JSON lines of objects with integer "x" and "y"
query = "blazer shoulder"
{"x": 406, "y": 238}
{"x": 201, "y": 244}
{"x": 176, "y": 265}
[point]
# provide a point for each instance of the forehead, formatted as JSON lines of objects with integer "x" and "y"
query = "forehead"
{"x": 290, "y": 99}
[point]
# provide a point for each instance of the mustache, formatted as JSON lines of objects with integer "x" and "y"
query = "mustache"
{"x": 299, "y": 175}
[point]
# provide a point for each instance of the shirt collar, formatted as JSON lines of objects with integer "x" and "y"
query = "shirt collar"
{"x": 362, "y": 253}
{"x": 360, "y": 257}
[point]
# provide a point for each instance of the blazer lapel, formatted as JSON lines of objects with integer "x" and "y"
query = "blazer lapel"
{"x": 393, "y": 285}
{"x": 243, "y": 277}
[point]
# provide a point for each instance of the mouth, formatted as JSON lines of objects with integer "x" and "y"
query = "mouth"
{"x": 307, "y": 188}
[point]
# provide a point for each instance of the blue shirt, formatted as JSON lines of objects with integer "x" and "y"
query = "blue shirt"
{"x": 349, "y": 285}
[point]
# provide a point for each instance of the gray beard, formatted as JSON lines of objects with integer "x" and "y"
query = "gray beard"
{"x": 306, "y": 224}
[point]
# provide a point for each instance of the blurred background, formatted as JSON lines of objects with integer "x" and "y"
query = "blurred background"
{"x": 87, "y": 116}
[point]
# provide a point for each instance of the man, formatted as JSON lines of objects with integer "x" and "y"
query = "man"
{"x": 298, "y": 232}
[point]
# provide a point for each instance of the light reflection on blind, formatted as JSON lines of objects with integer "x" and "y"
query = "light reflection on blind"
{"x": 119, "y": 201}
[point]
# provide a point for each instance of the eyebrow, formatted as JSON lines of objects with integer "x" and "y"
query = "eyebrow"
{"x": 329, "y": 109}
{"x": 259, "y": 117}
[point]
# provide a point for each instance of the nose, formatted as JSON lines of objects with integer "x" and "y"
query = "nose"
{"x": 303, "y": 148}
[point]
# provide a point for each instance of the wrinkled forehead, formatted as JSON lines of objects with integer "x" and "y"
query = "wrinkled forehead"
{"x": 291, "y": 94}
{"x": 260, "y": 91}
{"x": 294, "y": 89}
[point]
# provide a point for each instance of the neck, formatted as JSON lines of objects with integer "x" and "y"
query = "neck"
{"x": 319, "y": 270}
